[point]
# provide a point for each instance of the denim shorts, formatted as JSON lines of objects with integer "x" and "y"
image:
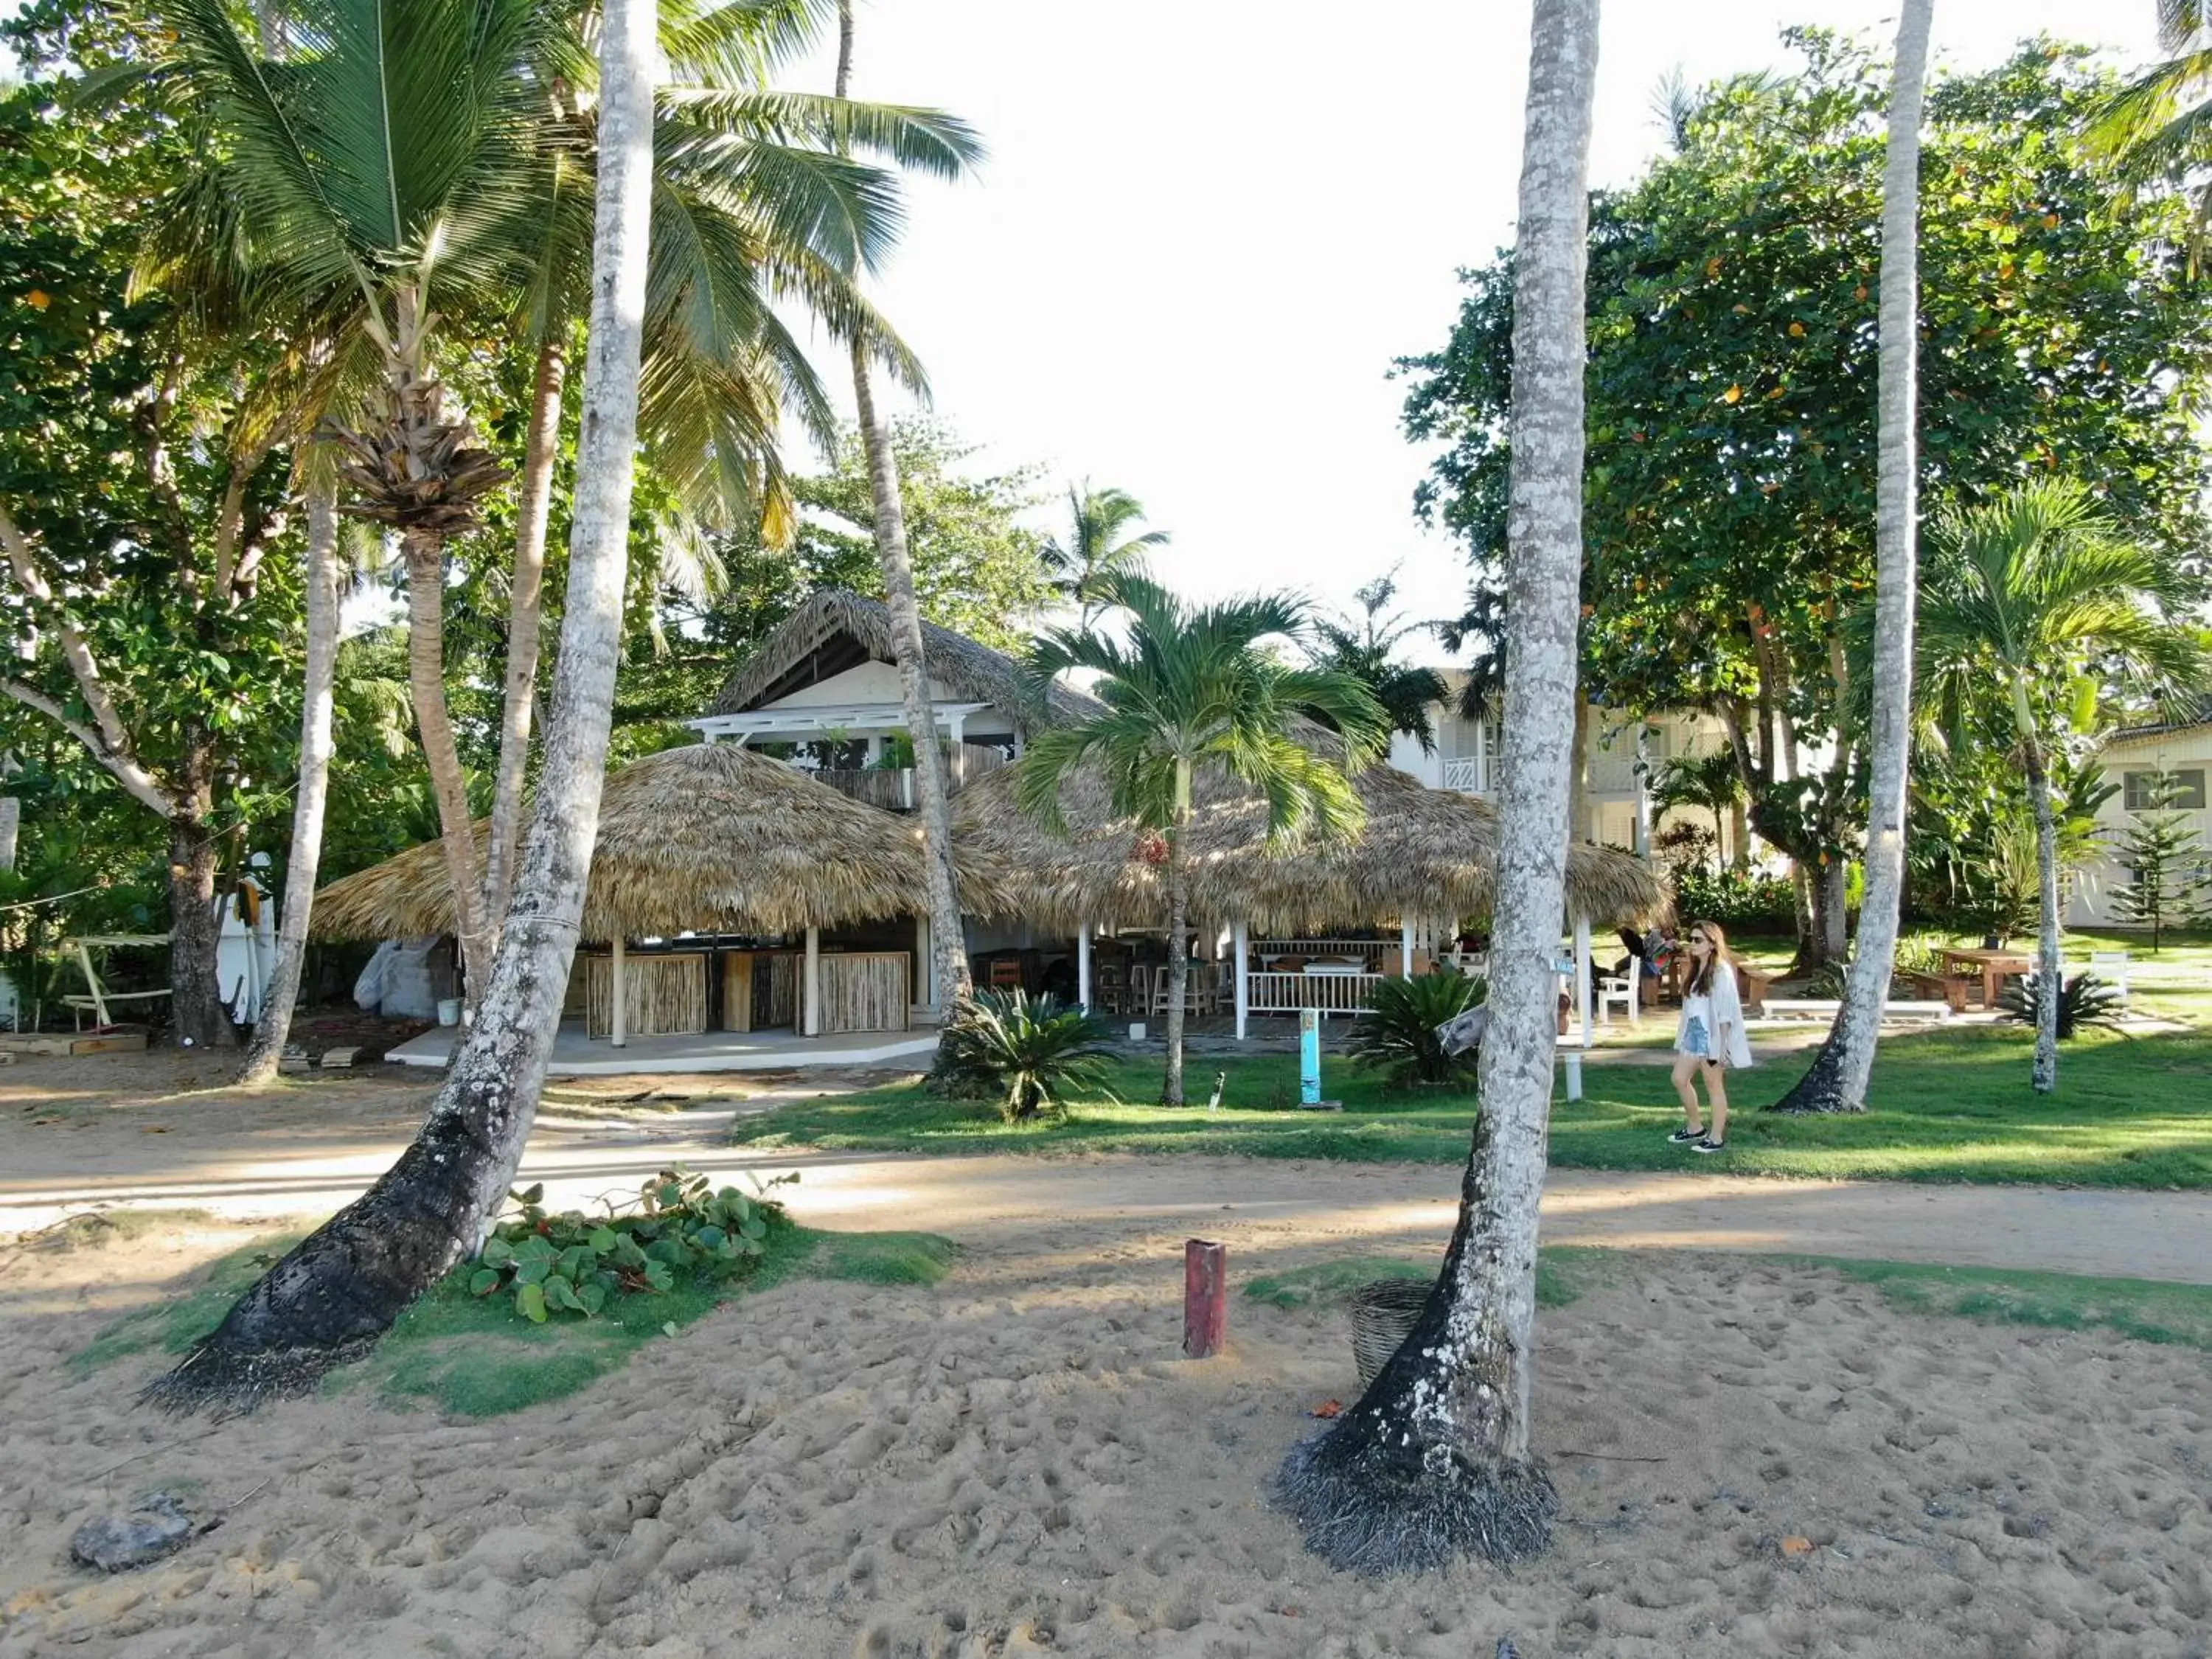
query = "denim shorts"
{"x": 1694, "y": 1041}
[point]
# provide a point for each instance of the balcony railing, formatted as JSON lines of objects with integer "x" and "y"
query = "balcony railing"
{"x": 894, "y": 791}
{"x": 1468, "y": 774}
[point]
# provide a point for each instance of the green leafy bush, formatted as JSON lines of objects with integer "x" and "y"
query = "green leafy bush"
{"x": 574, "y": 1263}
{"x": 1024, "y": 1051}
{"x": 2083, "y": 1001}
{"x": 1398, "y": 1032}
{"x": 1734, "y": 898}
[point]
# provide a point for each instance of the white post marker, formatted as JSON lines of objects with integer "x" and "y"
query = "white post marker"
{"x": 1582, "y": 978}
{"x": 618, "y": 1015}
{"x": 1240, "y": 941}
{"x": 1406, "y": 949}
{"x": 811, "y": 1022}
{"x": 1082, "y": 966}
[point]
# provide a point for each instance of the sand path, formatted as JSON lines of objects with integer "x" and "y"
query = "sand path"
{"x": 143, "y": 1140}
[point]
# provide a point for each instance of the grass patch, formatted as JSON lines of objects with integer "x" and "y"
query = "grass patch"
{"x": 1945, "y": 1105}
{"x": 1561, "y": 1276}
{"x": 475, "y": 1357}
{"x": 172, "y": 1326}
{"x": 2146, "y": 1310}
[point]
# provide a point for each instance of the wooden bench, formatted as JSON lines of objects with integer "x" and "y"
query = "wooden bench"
{"x": 1952, "y": 989}
{"x": 1828, "y": 1008}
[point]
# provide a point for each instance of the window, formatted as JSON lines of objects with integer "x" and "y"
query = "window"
{"x": 2141, "y": 790}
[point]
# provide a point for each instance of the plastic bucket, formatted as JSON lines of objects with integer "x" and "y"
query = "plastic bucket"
{"x": 449, "y": 1011}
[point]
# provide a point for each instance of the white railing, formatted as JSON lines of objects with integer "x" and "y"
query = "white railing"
{"x": 1468, "y": 775}
{"x": 1331, "y": 994}
{"x": 1367, "y": 952}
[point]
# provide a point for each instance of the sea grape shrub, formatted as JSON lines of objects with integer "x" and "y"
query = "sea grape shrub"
{"x": 573, "y": 1263}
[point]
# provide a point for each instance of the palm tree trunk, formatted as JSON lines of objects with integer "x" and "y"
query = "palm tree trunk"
{"x": 269, "y": 1034}
{"x": 1840, "y": 1084}
{"x": 1434, "y": 1460}
{"x": 2048, "y": 968}
{"x": 1178, "y": 964}
{"x": 334, "y": 1294}
{"x": 424, "y": 552}
{"x": 932, "y": 789}
{"x": 524, "y": 608}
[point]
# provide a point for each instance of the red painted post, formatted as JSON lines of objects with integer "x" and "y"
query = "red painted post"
{"x": 1205, "y": 1297}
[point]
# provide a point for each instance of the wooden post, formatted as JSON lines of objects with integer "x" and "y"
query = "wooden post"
{"x": 618, "y": 1012}
{"x": 92, "y": 983}
{"x": 1241, "y": 942}
{"x": 925, "y": 959}
{"x": 810, "y": 1020}
{"x": 1082, "y": 966}
{"x": 1205, "y": 1297}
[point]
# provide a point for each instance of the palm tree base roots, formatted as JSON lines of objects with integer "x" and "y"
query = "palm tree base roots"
{"x": 335, "y": 1293}
{"x": 1372, "y": 1507}
{"x": 1821, "y": 1089}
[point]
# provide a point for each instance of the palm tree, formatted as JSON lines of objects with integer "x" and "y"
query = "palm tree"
{"x": 2034, "y": 590}
{"x": 2159, "y": 126}
{"x": 339, "y": 1288}
{"x": 430, "y": 158}
{"x": 1434, "y": 1460}
{"x": 1362, "y": 646}
{"x": 1837, "y": 1079}
{"x": 1097, "y": 547}
{"x": 932, "y": 787}
{"x": 1190, "y": 693}
{"x": 1712, "y": 781}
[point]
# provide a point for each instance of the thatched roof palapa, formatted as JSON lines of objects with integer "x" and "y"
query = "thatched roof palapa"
{"x": 708, "y": 837}
{"x": 836, "y": 629}
{"x": 1423, "y": 853}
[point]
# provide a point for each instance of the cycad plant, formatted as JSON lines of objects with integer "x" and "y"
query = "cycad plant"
{"x": 1193, "y": 692}
{"x": 2082, "y": 1001}
{"x": 1398, "y": 1032}
{"x": 1025, "y": 1052}
{"x": 2032, "y": 590}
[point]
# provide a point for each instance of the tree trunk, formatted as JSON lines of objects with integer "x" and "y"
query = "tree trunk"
{"x": 1832, "y": 910}
{"x": 333, "y": 1295}
{"x": 1740, "y": 834}
{"x": 1178, "y": 964}
{"x": 424, "y": 551}
{"x": 196, "y": 1005}
{"x": 2048, "y": 972}
{"x": 932, "y": 789}
{"x": 274, "y": 1026}
{"x": 1837, "y": 1081}
{"x": 1434, "y": 1460}
{"x": 524, "y": 608}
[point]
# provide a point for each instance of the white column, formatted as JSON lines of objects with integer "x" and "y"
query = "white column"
{"x": 1582, "y": 976}
{"x": 618, "y": 1018}
{"x": 810, "y": 1021}
{"x": 1240, "y": 940}
{"x": 959, "y": 725}
{"x": 1482, "y": 755}
{"x": 1644, "y": 795}
{"x": 1406, "y": 948}
{"x": 925, "y": 959}
{"x": 1082, "y": 966}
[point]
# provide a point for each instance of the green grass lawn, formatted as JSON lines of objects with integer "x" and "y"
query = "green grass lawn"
{"x": 1946, "y": 1105}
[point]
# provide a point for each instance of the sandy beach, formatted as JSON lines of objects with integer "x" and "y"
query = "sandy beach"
{"x": 1754, "y": 1456}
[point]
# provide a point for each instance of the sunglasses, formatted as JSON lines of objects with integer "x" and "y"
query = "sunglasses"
{"x": 1699, "y": 938}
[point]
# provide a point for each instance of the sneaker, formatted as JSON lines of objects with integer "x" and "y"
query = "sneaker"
{"x": 1684, "y": 1137}
{"x": 1709, "y": 1145}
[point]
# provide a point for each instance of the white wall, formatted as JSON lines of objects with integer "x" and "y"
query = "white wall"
{"x": 2188, "y": 750}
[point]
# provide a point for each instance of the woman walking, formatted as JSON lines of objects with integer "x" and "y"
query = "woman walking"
{"x": 1709, "y": 1040}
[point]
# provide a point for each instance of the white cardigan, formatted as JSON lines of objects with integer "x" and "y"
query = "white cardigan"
{"x": 1728, "y": 1017}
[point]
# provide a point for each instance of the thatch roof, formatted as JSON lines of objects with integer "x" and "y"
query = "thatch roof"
{"x": 711, "y": 835}
{"x": 1425, "y": 855}
{"x": 836, "y": 629}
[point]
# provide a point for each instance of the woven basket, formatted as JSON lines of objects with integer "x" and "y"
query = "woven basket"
{"x": 1382, "y": 1313}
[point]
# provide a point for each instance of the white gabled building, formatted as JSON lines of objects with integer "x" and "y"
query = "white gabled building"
{"x": 2132, "y": 758}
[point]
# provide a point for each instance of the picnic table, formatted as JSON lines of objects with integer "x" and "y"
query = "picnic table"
{"x": 1994, "y": 967}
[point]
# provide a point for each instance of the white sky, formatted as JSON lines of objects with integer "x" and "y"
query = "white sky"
{"x": 1206, "y": 228}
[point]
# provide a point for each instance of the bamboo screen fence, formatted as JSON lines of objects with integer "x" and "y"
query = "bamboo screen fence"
{"x": 665, "y": 995}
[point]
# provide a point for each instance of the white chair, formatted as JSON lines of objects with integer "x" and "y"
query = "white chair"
{"x": 2111, "y": 966}
{"x": 1612, "y": 989}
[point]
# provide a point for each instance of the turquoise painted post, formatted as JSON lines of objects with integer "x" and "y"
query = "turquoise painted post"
{"x": 1309, "y": 1056}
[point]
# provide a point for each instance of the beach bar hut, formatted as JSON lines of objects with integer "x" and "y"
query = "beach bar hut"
{"x": 697, "y": 841}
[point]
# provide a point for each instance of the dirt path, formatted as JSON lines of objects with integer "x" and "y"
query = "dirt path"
{"x": 74, "y": 1137}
